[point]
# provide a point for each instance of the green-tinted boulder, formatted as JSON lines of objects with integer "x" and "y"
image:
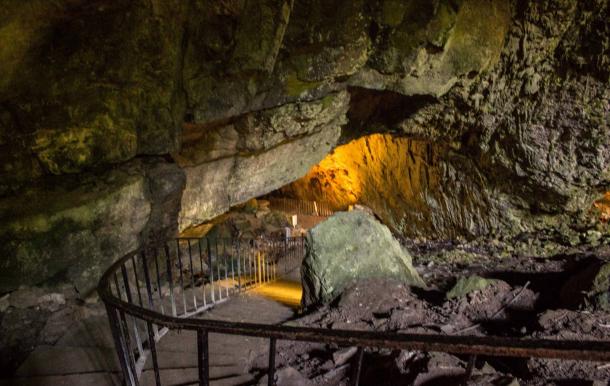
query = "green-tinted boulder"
{"x": 350, "y": 246}
{"x": 598, "y": 296}
{"x": 466, "y": 285}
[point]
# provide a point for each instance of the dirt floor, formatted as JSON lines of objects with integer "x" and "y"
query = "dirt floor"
{"x": 527, "y": 296}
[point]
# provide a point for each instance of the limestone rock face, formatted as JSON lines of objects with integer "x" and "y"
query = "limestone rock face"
{"x": 507, "y": 152}
{"x": 509, "y": 101}
{"x": 347, "y": 247}
{"x": 262, "y": 152}
{"x": 415, "y": 187}
{"x": 423, "y": 47}
{"x": 71, "y": 232}
{"x": 83, "y": 231}
{"x": 85, "y": 84}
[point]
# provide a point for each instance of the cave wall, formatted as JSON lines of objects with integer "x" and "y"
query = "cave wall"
{"x": 94, "y": 96}
{"x": 417, "y": 188}
{"x": 256, "y": 153}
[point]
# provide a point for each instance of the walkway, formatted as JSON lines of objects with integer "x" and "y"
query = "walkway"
{"x": 85, "y": 355}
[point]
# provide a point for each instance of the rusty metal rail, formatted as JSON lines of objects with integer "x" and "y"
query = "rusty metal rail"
{"x": 138, "y": 321}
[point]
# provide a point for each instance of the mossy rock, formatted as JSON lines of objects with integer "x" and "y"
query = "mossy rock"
{"x": 347, "y": 247}
{"x": 71, "y": 234}
{"x": 467, "y": 285}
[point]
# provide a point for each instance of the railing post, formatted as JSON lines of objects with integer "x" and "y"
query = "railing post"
{"x": 358, "y": 368}
{"x": 211, "y": 269}
{"x": 131, "y": 362}
{"x": 271, "y": 372}
{"x": 181, "y": 276}
{"x": 469, "y": 367}
{"x": 192, "y": 275}
{"x": 205, "y": 303}
{"x": 153, "y": 349}
{"x": 170, "y": 280}
{"x": 122, "y": 351}
{"x": 203, "y": 359}
{"x": 238, "y": 266}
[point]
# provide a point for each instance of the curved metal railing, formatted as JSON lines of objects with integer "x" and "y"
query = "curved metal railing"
{"x": 154, "y": 290}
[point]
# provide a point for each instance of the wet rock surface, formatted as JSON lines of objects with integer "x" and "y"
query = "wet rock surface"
{"x": 504, "y": 106}
{"x": 123, "y": 122}
{"x": 70, "y": 232}
{"x": 350, "y": 246}
{"x": 519, "y": 300}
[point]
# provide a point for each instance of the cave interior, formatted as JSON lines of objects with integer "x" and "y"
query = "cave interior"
{"x": 461, "y": 143}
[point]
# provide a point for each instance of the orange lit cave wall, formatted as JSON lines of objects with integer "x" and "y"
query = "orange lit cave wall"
{"x": 601, "y": 208}
{"x": 415, "y": 187}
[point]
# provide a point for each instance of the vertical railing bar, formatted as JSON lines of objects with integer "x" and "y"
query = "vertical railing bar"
{"x": 151, "y": 303}
{"x": 257, "y": 267}
{"x": 130, "y": 300}
{"x": 218, "y": 270}
{"x": 211, "y": 270}
{"x": 132, "y": 362}
{"x": 235, "y": 252}
{"x": 238, "y": 253}
{"x": 249, "y": 253}
{"x": 203, "y": 357}
{"x": 469, "y": 367}
{"x": 271, "y": 372}
{"x": 358, "y": 370}
{"x": 285, "y": 256}
{"x": 170, "y": 280}
{"x": 264, "y": 267}
{"x": 159, "y": 287}
{"x": 180, "y": 267}
{"x": 152, "y": 331}
{"x": 202, "y": 272}
{"x": 265, "y": 278}
{"x": 226, "y": 264}
{"x": 135, "y": 274}
{"x": 120, "y": 346}
{"x": 116, "y": 284}
{"x": 192, "y": 275}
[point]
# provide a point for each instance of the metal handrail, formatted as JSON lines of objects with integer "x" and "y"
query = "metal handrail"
{"x": 157, "y": 323}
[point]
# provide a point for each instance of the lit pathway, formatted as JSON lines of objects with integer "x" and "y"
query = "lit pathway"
{"x": 85, "y": 354}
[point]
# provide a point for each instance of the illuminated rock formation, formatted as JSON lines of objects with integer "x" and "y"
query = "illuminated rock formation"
{"x": 504, "y": 108}
{"x": 415, "y": 187}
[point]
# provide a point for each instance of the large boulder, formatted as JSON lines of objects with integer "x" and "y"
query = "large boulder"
{"x": 589, "y": 288}
{"x": 350, "y": 246}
